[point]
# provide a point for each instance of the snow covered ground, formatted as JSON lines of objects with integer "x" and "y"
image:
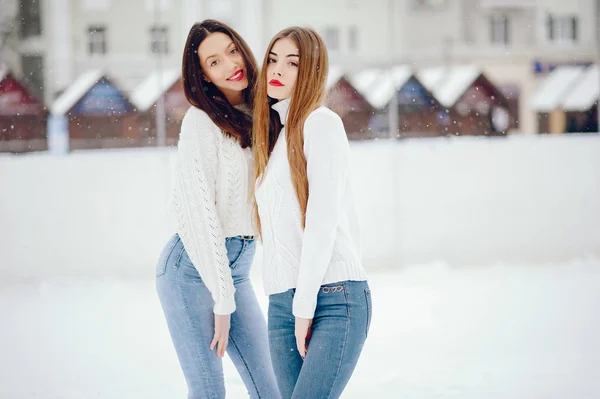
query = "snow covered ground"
{"x": 471, "y": 333}
{"x": 484, "y": 257}
{"x": 465, "y": 201}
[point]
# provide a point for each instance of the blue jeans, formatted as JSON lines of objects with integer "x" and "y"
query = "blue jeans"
{"x": 340, "y": 327}
{"x": 188, "y": 308}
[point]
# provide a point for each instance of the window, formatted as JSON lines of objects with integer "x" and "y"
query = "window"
{"x": 499, "y": 29}
{"x": 33, "y": 73}
{"x": 159, "y": 40}
{"x": 95, "y": 5}
{"x": 562, "y": 29}
{"x": 332, "y": 38}
{"x": 97, "y": 40}
{"x": 158, "y": 5}
{"x": 428, "y": 3}
{"x": 353, "y": 38}
{"x": 29, "y": 16}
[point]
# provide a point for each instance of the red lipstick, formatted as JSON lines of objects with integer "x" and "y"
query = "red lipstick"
{"x": 237, "y": 76}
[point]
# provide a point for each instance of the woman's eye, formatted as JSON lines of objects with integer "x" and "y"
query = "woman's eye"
{"x": 292, "y": 63}
{"x": 213, "y": 63}
{"x": 234, "y": 51}
{"x": 271, "y": 60}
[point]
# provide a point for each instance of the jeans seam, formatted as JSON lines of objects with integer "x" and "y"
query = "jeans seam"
{"x": 369, "y": 311}
{"x": 190, "y": 325}
{"x": 239, "y": 257}
{"x": 245, "y": 365}
{"x": 168, "y": 257}
{"x": 178, "y": 262}
{"x": 337, "y": 374}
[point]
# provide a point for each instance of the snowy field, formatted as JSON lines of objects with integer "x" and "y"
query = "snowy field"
{"x": 475, "y": 333}
{"x": 484, "y": 258}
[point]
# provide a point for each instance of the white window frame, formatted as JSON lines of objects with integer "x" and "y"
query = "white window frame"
{"x": 427, "y": 4}
{"x": 159, "y": 39}
{"x": 97, "y": 38}
{"x": 499, "y": 25}
{"x": 332, "y": 38}
{"x": 563, "y": 32}
{"x": 353, "y": 38}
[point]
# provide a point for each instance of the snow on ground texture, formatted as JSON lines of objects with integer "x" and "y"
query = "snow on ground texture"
{"x": 495, "y": 332}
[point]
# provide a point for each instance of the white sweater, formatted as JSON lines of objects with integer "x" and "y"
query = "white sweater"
{"x": 329, "y": 248}
{"x": 211, "y": 200}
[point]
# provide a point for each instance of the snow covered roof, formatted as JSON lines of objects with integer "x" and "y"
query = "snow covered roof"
{"x": 150, "y": 90}
{"x": 3, "y": 72}
{"x": 460, "y": 79}
{"x": 553, "y": 90}
{"x": 76, "y": 91}
{"x": 380, "y": 94}
{"x": 365, "y": 79}
{"x": 585, "y": 93}
{"x": 431, "y": 77}
{"x": 449, "y": 83}
{"x": 334, "y": 75}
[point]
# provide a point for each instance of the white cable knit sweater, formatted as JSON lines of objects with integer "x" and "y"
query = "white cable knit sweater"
{"x": 211, "y": 200}
{"x": 329, "y": 248}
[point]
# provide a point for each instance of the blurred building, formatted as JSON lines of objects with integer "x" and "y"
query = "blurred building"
{"x": 514, "y": 42}
{"x": 55, "y": 41}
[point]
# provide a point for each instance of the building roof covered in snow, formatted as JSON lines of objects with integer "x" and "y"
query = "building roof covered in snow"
{"x": 333, "y": 76}
{"x": 585, "y": 92}
{"x": 448, "y": 84}
{"x": 3, "y": 72}
{"x": 76, "y": 91}
{"x": 430, "y": 77}
{"x": 365, "y": 79}
{"x": 555, "y": 88}
{"x": 390, "y": 81}
{"x": 150, "y": 90}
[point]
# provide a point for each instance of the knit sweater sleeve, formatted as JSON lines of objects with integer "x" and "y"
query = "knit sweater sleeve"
{"x": 194, "y": 207}
{"x": 327, "y": 161}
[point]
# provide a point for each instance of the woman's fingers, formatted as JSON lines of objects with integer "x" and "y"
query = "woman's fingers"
{"x": 222, "y": 346}
{"x": 220, "y": 342}
{"x": 301, "y": 344}
{"x": 214, "y": 342}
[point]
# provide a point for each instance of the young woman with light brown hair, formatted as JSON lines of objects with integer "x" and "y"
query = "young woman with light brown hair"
{"x": 319, "y": 299}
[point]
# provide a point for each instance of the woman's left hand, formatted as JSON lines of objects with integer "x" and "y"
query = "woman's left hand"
{"x": 303, "y": 334}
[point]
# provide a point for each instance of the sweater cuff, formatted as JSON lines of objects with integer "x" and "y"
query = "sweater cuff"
{"x": 224, "y": 307}
{"x": 304, "y": 307}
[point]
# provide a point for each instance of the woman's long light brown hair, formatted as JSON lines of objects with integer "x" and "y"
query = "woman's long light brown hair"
{"x": 308, "y": 94}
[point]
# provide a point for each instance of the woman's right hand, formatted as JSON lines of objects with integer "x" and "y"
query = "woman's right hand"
{"x": 221, "y": 338}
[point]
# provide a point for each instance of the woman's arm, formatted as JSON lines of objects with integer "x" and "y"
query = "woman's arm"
{"x": 194, "y": 207}
{"x": 327, "y": 160}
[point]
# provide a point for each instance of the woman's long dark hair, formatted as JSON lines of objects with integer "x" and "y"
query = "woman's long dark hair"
{"x": 205, "y": 95}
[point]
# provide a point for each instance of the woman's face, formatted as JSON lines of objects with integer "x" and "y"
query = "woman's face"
{"x": 223, "y": 65}
{"x": 282, "y": 68}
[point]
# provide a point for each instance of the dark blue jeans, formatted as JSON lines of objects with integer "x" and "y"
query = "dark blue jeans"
{"x": 340, "y": 327}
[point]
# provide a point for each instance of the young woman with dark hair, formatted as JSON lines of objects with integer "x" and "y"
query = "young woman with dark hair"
{"x": 202, "y": 277}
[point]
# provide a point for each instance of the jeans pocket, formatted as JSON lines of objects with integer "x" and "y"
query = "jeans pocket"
{"x": 163, "y": 260}
{"x": 235, "y": 251}
{"x": 369, "y": 310}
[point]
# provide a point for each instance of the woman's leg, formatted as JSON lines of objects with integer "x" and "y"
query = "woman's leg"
{"x": 248, "y": 343}
{"x": 286, "y": 359}
{"x": 339, "y": 330}
{"x": 188, "y": 308}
